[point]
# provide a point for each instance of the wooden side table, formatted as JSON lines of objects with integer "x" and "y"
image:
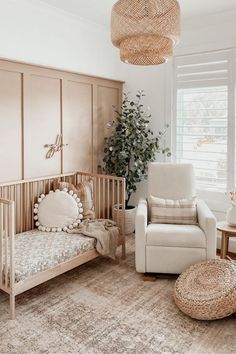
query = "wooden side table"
{"x": 227, "y": 231}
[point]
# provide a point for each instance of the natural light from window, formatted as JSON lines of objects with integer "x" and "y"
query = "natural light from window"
{"x": 201, "y": 136}
{"x": 204, "y": 106}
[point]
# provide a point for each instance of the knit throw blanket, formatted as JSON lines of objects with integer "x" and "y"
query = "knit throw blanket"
{"x": 104, "y": 231}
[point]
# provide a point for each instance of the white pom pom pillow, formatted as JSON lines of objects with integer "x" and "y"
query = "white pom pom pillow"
{"x": 58, "y": 211}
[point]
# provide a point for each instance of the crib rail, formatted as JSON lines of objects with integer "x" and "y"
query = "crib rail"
{"x": 16, "y": 215}
{"x": 17, "y": 201}
{"x": 108, "y": 191}
{"x": 25, "y": 193}
{"x": 109, "y": 198}
{"x": 7, "y": 233}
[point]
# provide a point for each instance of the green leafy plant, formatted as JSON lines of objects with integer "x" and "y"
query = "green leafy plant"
{"x": 132, "y": 144}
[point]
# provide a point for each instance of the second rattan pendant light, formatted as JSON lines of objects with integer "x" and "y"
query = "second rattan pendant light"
{"x": 145, "y": 31}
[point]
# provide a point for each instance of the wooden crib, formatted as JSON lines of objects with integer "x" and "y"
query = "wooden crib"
{"x": 16, "y": 216}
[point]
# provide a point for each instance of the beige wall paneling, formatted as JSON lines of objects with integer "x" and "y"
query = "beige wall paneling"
{"x": 10, "y": 125}
{"x": 45, "y": 101}
{"x": 108, "y": 97}
{"x": 42, "y": 123}
{"x": 77, "y": 126}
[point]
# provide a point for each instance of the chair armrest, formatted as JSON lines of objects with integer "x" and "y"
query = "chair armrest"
{"x": 140, "y": 236}
{"x": 207, "y": 223}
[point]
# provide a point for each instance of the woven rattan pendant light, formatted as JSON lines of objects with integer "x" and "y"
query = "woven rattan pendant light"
{"x": 145, "y": 31}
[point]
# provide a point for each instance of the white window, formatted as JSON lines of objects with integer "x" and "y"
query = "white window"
{"x": 204, "y": 133}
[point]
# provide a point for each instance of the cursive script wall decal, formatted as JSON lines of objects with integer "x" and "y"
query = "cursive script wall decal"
{"x": 56, "y": 147}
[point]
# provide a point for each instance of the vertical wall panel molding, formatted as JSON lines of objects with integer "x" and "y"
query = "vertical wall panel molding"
{"x": 36, "y": 104}
{"x": 10, "y": 123}
{"x": 42, "y": 126}
{"x": 108, "y": 100}
{"x": 95, "y": 127}
{"x": 77, "y": 126}
{"x": 61, "y": 122}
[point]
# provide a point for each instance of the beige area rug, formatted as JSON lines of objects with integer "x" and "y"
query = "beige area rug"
{"x": 105, "y": 307}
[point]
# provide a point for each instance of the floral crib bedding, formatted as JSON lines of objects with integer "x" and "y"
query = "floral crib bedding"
{"x": 36, "y": 251}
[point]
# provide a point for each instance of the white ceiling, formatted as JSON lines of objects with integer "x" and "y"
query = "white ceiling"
{"x": 99, "y": 10}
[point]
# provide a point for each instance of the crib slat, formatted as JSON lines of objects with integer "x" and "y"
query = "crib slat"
{"x": 103, "y": 198}
{"x": 11, "y": 220}
{"x": 1, "y": 244}
{"x": 113, "y": 197}
{"x": 6, "y": 244}
{"x": 118, "y": 195}
{"x": 123, "y": 219}
{"x": 21, "y": 208}
{"x": 108, "y": 198}
{"x": 99, "y": 198}
{"x": 95, "y": 199}
{"x": 32, "y": 196}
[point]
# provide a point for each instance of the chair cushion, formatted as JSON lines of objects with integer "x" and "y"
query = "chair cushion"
{"x": 169, "y": 235}
{"x": 167, "y": 211}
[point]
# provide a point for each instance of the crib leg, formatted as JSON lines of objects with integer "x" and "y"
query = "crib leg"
{"x": 12, "y": 307}
{"x": 123, "y": 250}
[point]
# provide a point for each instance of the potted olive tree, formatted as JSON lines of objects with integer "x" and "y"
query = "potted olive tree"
{"x": 130, "y": 147}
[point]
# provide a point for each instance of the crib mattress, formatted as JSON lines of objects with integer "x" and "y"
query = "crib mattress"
{"x": 36, "y": 251}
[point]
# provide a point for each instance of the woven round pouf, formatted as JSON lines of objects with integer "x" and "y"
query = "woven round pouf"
{"x": 207, "y": 291}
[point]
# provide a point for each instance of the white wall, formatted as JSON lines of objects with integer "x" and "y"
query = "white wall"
{"x": 153, "y": 81}
{"x": 213, "y": 32}
{"x": 36, "y": 33}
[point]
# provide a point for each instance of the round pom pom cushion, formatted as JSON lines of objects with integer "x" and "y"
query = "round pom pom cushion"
{"x": 58, "y": 211}
{"x": 207, "y": 291}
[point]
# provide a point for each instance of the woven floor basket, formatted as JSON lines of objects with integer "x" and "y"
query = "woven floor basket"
{"x": 207, "y": 291}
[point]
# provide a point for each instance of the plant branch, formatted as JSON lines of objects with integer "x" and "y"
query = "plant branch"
{"x": 132, "y": 144}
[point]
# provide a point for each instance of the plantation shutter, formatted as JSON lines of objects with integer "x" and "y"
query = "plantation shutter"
{"x": 203, "y": 91}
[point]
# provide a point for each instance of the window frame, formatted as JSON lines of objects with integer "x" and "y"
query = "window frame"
{"x": 217, "y": 199}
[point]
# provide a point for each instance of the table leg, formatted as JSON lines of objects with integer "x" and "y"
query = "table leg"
{"x": 227, "y": 245}
{"x": 222, "y": 244}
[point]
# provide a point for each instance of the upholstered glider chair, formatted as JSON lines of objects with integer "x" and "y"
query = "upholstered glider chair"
{"x": 172, "y": 248}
